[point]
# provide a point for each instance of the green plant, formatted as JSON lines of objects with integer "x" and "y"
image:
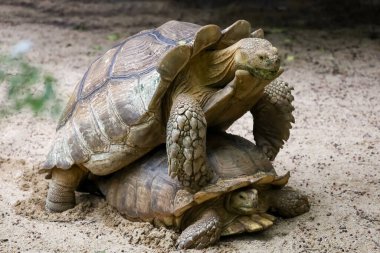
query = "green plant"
{"x": 27, "y": 87}
{"x": 113, "y": 37}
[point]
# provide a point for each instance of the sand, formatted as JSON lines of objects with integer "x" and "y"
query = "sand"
{"x": 332, "y": 154}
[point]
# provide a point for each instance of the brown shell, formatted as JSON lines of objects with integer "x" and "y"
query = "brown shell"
{"x": 140, "y": 55}
{"x": 144, "y": 191}
{"x": 127, "y": 63}
{"x": 114, "y": 114}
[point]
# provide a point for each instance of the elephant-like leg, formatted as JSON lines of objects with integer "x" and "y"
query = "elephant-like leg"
{"x": 202, "y": 233}
{"x": 288, "y": 202}
{"x": 61, "y": 194}
{"x": 186, "y": 143}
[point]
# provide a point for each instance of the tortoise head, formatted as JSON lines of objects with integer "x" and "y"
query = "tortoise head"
{"x": 258, "y": 57}
{"x": 245, "y": 201}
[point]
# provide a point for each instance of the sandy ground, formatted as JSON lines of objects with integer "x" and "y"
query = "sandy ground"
{"x": 333, "y": 153}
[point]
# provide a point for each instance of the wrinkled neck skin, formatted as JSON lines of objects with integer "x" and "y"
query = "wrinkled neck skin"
{"x": 206, "y": 73}
{"x": 208, "y": 70}
{"x": 216, "y": 68}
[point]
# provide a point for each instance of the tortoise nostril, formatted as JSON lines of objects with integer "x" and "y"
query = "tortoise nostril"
{"x": 263, "y": 57}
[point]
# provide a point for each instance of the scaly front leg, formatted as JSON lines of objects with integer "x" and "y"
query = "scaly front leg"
{"x": 202, "y": 233}
{"x": 272, "y": 117}
{"x": 186, "y": 143}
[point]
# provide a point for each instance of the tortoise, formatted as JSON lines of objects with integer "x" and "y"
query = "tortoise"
{"x": 168, "y": 85}
{"x": 244, "y": 187}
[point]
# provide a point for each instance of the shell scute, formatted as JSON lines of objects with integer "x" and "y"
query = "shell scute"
{"x": 178, "y": 31}
{"x": 138, "y": 55}
{"x": 98, "y": 73}
{"x": 108, "y": 119}
{"x": 87, "y": 129}
{"x": 125, "y": 98}
{"x": 164, "y": 193}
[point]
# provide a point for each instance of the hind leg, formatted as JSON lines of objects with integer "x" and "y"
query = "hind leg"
{"x": 61, "y": 194}
{"x": 288, "y": 202}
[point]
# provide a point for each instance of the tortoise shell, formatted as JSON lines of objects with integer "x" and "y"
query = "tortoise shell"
{"x": 114, "y": 115}
{"x": 143, "y": 191}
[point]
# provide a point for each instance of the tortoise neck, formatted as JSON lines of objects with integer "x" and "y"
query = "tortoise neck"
{"x": 220, "y": 66}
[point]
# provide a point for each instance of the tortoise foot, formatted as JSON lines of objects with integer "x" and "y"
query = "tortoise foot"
{"x": 288, "y": 202}
{"x": 201, "y": 234}
{"x": 59, "y": 198}
{"x": 273, "y": 118}
{"x": 186, "y": 143}
{"x": 61, "y": 194}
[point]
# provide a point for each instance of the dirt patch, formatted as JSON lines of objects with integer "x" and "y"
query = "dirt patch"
{"x": 88, "y": 209}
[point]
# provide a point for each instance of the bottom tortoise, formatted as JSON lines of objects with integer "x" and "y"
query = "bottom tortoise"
{"x": 244, "y": 190}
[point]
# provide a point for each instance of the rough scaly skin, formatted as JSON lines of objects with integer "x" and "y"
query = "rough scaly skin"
{"x": 202, "y": 233}
{"x": 274, "y": 106}
{"x": 61, "y": 194}
{"x": 186, "y": 142}
{"x": 288, "y": 202}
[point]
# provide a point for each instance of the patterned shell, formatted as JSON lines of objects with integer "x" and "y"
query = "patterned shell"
{"x": 114, "y": 114}
{"x": 130, "y": 69}
{"x": 144, "y": 191}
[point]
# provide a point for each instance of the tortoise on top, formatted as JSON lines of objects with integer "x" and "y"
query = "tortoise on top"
{"x": 245, "y": 187}
{"x": 167, "y": 85}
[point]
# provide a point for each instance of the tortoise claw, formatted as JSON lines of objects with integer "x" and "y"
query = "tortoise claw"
{"x": 201, "y": 234}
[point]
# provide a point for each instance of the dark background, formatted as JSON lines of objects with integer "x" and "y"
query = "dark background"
{"x": 99, "y": 14}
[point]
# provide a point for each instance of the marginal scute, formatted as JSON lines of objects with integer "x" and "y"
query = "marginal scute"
{"x": 259, "y": 33}
{"x": 239, "y": 30}
{"x": 183, "y": 201}
{"x": 281, "y": 180}
{"x": 205, "y": 37}
{"x": 235, "y": 227}
{"x": 173, "y": 61}
{"x": 250, "y": 225}
{"x": 265, "y": 223}
{"x": 66, "y": 114}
